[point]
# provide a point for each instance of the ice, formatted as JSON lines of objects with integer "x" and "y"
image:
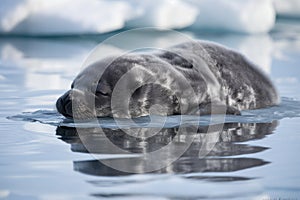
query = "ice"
{"x": 163, "y": 13}
{"x": 12, "y": 13}
{"x": 97, "y": 16}
{"x": 60, "y": 17}
{"x": 246, "y": 16}
{"x": 289, "y": 8}
{"x": 63, "y": 16}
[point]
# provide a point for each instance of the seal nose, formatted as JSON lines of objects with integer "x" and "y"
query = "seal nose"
{"x": 64, "y": 105}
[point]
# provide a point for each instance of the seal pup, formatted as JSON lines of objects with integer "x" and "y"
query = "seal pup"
{"x": 197, "y": 77}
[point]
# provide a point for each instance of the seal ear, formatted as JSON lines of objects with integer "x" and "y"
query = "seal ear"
{"x": 217, "y": 108}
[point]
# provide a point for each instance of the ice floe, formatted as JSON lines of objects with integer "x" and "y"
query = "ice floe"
{"x": 63, "y": 17}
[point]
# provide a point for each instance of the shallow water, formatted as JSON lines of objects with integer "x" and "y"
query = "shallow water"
{"x": 253, "y": 156}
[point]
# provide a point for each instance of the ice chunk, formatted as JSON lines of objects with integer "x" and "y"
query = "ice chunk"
{"x": 95, "y": 16}
{"x": 40, "y": 17}
{"x": 63, "y": 16}
{"x": 163, "y": 13}
{"x": 289, "y": 8}
{"x": 247, "y": 16}
{"x": 12, "y": 13}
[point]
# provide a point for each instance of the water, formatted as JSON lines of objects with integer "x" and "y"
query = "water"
{"x": 288, "y": 108}
{"x": 253, "y": 156}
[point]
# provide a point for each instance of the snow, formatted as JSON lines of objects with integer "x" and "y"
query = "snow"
{"x": 62, "y": 17}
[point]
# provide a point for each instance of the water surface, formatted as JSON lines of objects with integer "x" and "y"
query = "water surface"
{"x": 255, "y": 156}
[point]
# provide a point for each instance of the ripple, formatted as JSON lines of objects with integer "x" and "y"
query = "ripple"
{"x": 288, "y": 108}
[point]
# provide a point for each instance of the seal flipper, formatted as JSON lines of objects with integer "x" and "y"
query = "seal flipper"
{"x": 217, "y": 108}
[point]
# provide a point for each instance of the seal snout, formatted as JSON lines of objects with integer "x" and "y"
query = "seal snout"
{"x": 64, "y": 105}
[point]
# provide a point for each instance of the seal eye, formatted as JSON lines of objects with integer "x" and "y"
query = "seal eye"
{"x": 102, "y": 93}
{"x": 103, "y": 90}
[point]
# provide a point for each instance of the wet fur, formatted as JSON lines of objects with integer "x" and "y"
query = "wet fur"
{"x": 218, "y": 76}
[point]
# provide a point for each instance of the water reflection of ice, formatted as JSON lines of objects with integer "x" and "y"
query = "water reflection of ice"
{"x": 58, "y": 61}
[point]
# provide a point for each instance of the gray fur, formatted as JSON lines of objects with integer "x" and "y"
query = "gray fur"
{"x": 220, "y": 79}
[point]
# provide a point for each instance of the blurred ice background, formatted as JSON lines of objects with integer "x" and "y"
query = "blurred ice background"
{"x": 38, "y": 17}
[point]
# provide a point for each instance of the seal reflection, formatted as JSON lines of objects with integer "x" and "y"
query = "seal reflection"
{"x": 220, "y": 146}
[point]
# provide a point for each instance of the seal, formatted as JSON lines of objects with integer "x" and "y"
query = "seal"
{"x": 197, "y": 77}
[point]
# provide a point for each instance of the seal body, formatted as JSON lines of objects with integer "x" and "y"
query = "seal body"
{"x": 191, "y": 78}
